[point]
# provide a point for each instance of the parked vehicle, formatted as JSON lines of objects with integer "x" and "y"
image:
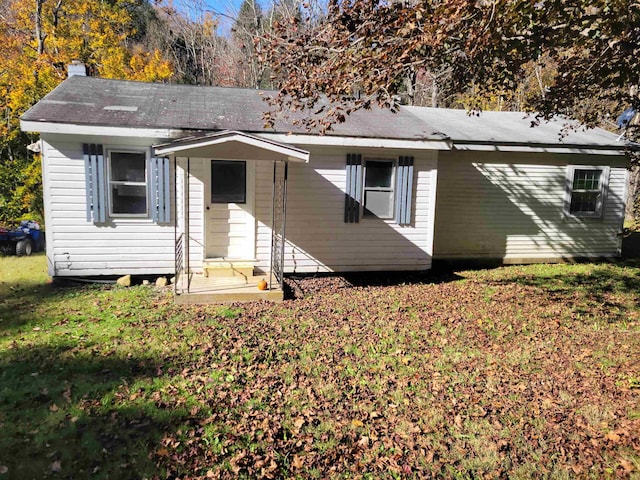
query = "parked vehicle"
{"x": 24, "y": 240}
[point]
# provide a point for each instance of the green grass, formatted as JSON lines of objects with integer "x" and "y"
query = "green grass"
{"x": 513, "y": 372}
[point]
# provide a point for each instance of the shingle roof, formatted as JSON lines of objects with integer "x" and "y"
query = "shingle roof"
{"x": 97, "y": 101}
{"x": 105, "y": 102}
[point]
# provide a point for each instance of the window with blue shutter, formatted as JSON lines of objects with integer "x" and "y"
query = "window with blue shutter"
{"x": 126, "y": 184}
{"x": 381, "y": 187}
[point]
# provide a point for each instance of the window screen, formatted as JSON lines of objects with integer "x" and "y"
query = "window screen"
{"x": 127, "y": 183}
{"x": 586, "y": 192}
{"x": 228, "y": 181}
{"x": 378, "y": 190}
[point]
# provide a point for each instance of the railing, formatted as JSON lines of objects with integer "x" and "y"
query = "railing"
{"x": 179, "y": 258}
{"x": 278, "y": 223}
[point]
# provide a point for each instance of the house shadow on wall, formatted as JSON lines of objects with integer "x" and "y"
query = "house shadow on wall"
{"x": 324, "y": 251}
{"x": 486, "y": 212}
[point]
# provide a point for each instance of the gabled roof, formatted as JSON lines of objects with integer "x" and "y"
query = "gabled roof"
{"x": 81, "y": 102}
{"x": 224, "y": 145}
{"x": 118, "y": 103}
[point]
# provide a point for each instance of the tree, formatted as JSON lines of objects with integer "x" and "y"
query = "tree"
{"x": 247, "y": 35}
{"x": 484, "y": 44}
{"x": 187, "y": 34}
{"x": 37, "y": 40}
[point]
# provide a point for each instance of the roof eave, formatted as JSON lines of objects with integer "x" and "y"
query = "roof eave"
{"x": 106, "y": 130}
{"x": 532, "y": 147}
{"x": 183, "y": 146}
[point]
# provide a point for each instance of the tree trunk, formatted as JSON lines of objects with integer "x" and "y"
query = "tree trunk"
{"x": 434, "y": 92}
{"x": 40, "y": 35}
{"x": 632, "y": 211}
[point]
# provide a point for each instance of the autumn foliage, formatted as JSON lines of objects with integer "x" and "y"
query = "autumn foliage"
{"x": 37, "y": 41}
{"x": 366, "y": 52}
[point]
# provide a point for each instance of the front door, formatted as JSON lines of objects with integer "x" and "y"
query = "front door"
{"x": 230, "y": 225}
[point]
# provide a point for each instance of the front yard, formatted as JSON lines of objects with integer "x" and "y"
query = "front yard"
{"x": 516, "y": 372}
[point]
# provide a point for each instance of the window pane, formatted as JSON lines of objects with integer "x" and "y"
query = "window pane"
{"x": 228, "y": 181}
{"x": 584, "y": 202}
{"x": 586, "y": 179}
{"x": 128, "y": 167}
{"x": 129, "y": 199}
{"x": 379, "y": 204}
{"x": 378, "y": 174}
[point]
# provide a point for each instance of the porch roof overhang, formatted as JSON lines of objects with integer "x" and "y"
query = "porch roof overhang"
{"x": 232, "y": 145}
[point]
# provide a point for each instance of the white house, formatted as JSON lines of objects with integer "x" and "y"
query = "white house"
{"x": 160, "y": 179}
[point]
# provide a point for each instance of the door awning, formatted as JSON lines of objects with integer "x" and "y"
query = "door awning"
{"x": 232, "y": 145}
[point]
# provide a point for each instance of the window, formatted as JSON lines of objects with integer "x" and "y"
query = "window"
{"x": 585, "y": 190}
{"x": 378, "y": 188}
{"x": 228, "y": 181}
{"x": 128, "y": 183}
{"x": 375, "y": 186}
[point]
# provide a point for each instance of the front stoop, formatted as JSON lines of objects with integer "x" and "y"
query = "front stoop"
{"x": 230, "y": 297}
{"x": 226, "y": 290}
{"x": 228, "y": 268}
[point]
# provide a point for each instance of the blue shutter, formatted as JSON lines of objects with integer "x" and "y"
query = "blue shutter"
{"x": 159, "y": 184}
{"x": 95, "y": 185}
{"x": 353, "y": 188}
{"x": 404, "y": 190}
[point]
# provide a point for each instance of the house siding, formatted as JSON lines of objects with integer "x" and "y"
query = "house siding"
{"x": 318, "y": 239}
{"x": 76, "y": 247}
{"x": 195, "y": 214}
{"x": 511, "y": 206}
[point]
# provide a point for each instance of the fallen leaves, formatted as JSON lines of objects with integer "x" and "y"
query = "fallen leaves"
{"x": 414, "y": 380}
{"x": 351, "y": 380}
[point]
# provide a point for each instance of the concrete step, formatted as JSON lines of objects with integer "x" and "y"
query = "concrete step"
{"x": 227, "y": 268}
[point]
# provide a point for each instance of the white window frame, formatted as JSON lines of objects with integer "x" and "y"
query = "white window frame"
{"x": 392, "y": 188}
{"x": 569, "y": 191}
{"x": 110, "y": 182}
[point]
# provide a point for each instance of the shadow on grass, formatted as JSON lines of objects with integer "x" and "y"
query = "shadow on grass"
{"x": 299, "y": 285}
{"x": 18, "y": 301}
{"x": 71, "y": 404}
{"x": 602, "y": 289}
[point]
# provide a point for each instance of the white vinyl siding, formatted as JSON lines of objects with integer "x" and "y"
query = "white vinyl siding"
{"x": 76, "y": 247}
{"x": 196, "y": 189}
{"x": 511, "y": 206}
{"x": 318, "y": 239}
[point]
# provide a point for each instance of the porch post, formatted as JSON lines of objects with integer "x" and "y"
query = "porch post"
{"x": 176, "y": 267}
{"x": 186, "y": 224}
{"x": 284, "y": 223}
{"x": 273, "y": 224}
{"x": 278, "y": 223}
